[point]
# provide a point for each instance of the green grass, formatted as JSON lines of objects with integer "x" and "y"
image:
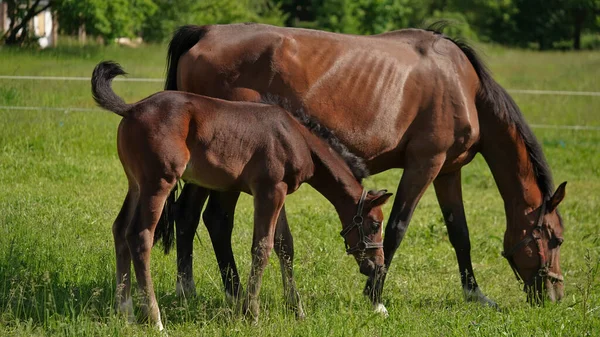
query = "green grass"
{"x": 62, "y": 186}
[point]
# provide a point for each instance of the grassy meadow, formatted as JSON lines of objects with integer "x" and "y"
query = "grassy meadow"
{"x": 61, "y": 186}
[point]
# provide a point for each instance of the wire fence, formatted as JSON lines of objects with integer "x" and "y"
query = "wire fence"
{"x": 141, "y": 79}
{"x": 160, "y": 80}
{"x": 75, "y": 109}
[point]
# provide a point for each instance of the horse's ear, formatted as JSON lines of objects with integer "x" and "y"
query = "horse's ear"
{"x": 558, "y": 196}
{"x": 379, "y": 198}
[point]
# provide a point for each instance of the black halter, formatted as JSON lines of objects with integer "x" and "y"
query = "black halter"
{"x": 535, "y": 235}
{"x": 357, "y": 222}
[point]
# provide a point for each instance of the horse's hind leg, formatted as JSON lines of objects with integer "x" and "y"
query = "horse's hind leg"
{"x": 140, "y": 237}
{"x": 189, "y": 207}
{"x": 218, "y": 219}
{"x": 284, "y": 247}
{"x": 123, "y": 302}
{"x": 267, "y": 205}
{"x": 449, "y": 194}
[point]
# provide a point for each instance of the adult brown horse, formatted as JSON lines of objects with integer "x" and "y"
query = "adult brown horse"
{"x": 412, "y": 99}
{"x": 255, "y": 148}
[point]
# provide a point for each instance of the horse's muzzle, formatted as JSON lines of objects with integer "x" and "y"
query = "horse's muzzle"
{"x": 370, "y": 268}
{"x": 555, "y": 290}
{"x": 552, "y": 290}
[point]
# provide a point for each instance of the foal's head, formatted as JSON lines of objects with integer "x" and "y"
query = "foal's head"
{"x": 534, "y": 254}
{"x": 362, "y": 232}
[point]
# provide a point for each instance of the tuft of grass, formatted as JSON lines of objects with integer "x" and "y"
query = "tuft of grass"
{"x": 62, "y": 186}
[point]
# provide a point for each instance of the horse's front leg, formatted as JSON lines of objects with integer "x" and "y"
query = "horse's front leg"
{"x": 189, "y": 204}
{"x": 449, "y": 194}
{"x": 284, "y": 247}
{"x": 418, "y": 175}
{"x": 267, "y": 205}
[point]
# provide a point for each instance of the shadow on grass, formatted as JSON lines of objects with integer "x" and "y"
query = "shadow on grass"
{"x": 30, "y": 293}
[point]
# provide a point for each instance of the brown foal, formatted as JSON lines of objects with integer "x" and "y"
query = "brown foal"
{"x": 256, "y": 148}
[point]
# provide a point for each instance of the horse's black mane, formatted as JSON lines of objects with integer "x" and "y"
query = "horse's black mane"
{"x": 354, "y": 162}
{"x": 505, "y": 108}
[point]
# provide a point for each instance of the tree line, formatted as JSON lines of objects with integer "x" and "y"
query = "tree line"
{"x": 542, "y": 24}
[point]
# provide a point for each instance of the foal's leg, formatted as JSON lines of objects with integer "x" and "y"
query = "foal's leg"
{"x": 140, "y": 234}
{"x": 218, "y": 219}
{"x": 189, "y": 206}
{"x": 123, "y": 302}
{"x": 449, "y": 194}
{"x": 267, "y": 205}
{"x": 284, "y": 247}
{"x": 418, "y": 175}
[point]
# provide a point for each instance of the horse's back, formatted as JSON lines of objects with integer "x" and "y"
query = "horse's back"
{"x": 382, "y": 84}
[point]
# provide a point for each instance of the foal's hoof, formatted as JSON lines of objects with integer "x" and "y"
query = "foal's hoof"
{"x": 380, "y": 309}
{"x": 251, "y": 310}
{"x": 300, "y": 315}
{"x": 294, "y": 304}
{"x": 476, "y": 295}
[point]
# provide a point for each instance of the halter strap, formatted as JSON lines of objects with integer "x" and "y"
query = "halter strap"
{"x": 535, "y": 235}
{"x": 357, "y": 222}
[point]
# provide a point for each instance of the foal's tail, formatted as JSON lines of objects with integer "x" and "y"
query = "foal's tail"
{"x": 102, "y": 90}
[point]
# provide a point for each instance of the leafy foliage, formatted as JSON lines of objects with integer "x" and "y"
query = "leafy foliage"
{"x": 543, "y": 24}
{"x": 108, "y": 19}
{"x": 175, "y": 13}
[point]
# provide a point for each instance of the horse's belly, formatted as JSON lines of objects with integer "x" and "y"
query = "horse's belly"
{"x": 214, "y": 174}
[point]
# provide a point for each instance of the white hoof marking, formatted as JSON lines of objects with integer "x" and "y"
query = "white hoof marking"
{"x": 379, "y": 308}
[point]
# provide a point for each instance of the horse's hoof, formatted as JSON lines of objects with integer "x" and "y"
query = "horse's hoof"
{"x": 230, "y": 298}
{"x": 476, "y": 295}
{"x": 380, "y": 309}
{"x": 185, "y": 289}
{"x": 300, "y": 315}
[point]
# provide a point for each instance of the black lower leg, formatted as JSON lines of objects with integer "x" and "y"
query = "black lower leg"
{"x": 218, "y": 218}
{"x": 449, "y": 194}
{"x": 189, "y": 205}
{"x": 458, "y": 234}
{"x": 394, "y": 233}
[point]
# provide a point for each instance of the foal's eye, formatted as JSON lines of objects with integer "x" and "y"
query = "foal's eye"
{"x": 376, "y": 226}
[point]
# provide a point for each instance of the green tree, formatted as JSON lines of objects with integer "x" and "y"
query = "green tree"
{"x": 20, "y": 13}
{"x": 107, "y": 19}
{"x": 174, "y": 13}
{"x": 582, "y": 14}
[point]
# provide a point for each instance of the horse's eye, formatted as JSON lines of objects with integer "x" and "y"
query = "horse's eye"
{"x": 556, "y": 242}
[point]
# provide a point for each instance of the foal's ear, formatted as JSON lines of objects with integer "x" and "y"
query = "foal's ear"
{"x": 558, "y": 196}
{"x": 379, "y": 198}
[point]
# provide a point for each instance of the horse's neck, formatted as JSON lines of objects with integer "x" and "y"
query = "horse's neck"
{"x": 508, "y": 159}
{"x": 333, "y": 179}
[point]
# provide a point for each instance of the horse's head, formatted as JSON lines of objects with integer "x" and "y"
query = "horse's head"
{"x": 362, "y": 232}
{"x": 534, "y": 251}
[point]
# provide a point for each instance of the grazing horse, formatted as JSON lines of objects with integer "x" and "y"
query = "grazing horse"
{"x": 412, "y": 99}
{"x": 255, "y": 148}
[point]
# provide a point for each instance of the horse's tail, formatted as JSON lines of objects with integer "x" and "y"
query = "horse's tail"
{"x": 102, "y": 90}
{"x": 184, "y": 38}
